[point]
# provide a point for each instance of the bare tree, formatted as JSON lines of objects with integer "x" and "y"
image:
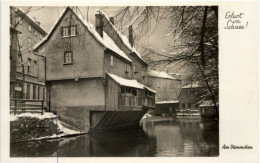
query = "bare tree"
{"x": 193, "y": 39}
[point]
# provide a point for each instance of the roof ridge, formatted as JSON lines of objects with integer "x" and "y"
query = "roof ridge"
{"x": 90, "y": 27}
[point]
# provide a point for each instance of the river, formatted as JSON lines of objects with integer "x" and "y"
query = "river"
{"x": 155, "y": 137}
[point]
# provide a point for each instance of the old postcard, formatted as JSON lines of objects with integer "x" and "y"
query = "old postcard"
{"x": 129, "y": 81}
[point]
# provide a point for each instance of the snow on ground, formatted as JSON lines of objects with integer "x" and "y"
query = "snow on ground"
{"x": 66, "y": 131}
{"x": 13, "y": 117}
{"x": 39, "y": 116}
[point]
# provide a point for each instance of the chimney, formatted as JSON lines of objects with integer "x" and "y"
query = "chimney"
{"x": 131, "y": 39}
{"x": 99, "y": 23}
{"x": 112, "y": 20}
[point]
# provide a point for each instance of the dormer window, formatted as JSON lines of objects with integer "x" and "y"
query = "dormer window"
{"x": 68, "y": 31}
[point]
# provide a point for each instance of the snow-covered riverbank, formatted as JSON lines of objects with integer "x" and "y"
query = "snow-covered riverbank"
{"x": 28, "y": 126}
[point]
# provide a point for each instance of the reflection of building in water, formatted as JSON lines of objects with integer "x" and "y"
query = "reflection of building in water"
{"x": 132, "y": 142}
{"x": 160, "y": 136}
{"x": 169, "y": 140}
{"x": 190, "y": 131}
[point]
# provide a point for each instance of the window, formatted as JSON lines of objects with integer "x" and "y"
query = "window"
{"x": 29, "y": 65}
{"x": 68, "y": 57}
{"x": 203, "y": 110}
{"x": 39, "y": 91}
{"x": 126, "y": 68}
{"x": 183, "y": 105}
{"x": 43, "y": 96}
{"x": 165, "y": 85}
{"x": 142, "y": 72}
{"x": 158, "y": 85}
{"x": 30, "y": 28}
{"x": 73, "y": 31}
{"x": 34, "y": 91}
{"x": 134, "y": 68}
{"x": 69, "y": 31}
{"x": 111, "y": 61}
{"x": 35, "y": 67}
{"x": 28, "y": 91}
{"x": 65, "y": 32}
{"x": 189, "y": 105}
{"x": 35, "y": 33}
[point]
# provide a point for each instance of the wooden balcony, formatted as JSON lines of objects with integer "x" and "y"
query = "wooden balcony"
{"x": 149, "y": 101}
{"x": 130, "y": 100}
{"x": 127, "y": 100}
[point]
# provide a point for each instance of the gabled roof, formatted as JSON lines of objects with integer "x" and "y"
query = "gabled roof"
{"x": 160, "y": 74}
{"x": 32, "y": 20}
{"x": 207, "y": 103}
{"x": 125, "y": 40}
{"x": 106, "y": 41}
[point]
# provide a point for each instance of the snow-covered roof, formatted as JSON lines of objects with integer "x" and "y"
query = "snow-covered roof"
{"x": 206, "y": 103}
{"x": 129, "y": 82}
{"x": 160, "y": 74}
{"x": 193, "y": 85}
{"x": 148, "y": 88}
{"x": 106, "y": 41}
{"x": 126, "y": 82}
{"x": 32, "y": 19}
{"x": 123, "y": 38}
{"x": 166, "y": 102}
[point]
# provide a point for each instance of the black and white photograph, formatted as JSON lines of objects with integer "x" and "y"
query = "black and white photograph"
{"x": 110, "y": 81}
{"x": 114, "y": 81}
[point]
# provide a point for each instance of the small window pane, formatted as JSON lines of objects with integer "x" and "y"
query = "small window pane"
{"x": 65, "y": 32}
{"x": 68, "y": 57}
{"x": 73, "y": 31}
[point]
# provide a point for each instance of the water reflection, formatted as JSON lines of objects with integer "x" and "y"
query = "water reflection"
{"x": 157, "y": 136}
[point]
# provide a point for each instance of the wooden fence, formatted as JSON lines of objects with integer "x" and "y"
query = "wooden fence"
{"x": 25, "y": 105}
